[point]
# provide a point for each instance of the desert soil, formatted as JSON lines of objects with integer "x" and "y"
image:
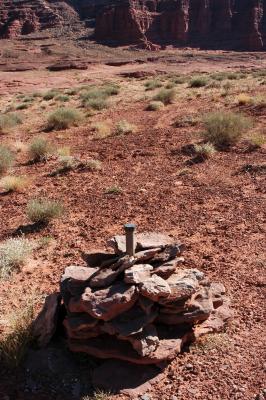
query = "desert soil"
{"x": 216, "y": 207}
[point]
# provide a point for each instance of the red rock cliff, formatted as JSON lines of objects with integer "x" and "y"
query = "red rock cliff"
{"x": 239, "y": 24}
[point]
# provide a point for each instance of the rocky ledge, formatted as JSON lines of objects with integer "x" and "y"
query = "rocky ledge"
{"x": 140, "y": 308}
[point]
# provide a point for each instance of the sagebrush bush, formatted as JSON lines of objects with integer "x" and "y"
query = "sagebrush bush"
{"x": 9, "y": 121}
{"x": 153, "y": 84}
{"x": 64, "y": 151}
{"x": 97, "y": 104}
{"x": 63, "y": 118}
{"x": 155, "y": 106}
{"x": 51, "y": 94}
{"x": 62, "y": 97}
{"x": 205, "y": 150}
{"x": 42, "y": 210}
{"x": 111, "y": 89}
{"x": 198, "y": 81}
{"x": 225, "y": 128}
{"x": 6, "y": 159}
{"x": 39, "y": 148}
{"x": 13, "y": 253}
{"x": 101, "y": 130}
{"x": 166, "y": 96}
{"x": 67, "y": 162}
{"x": 14, "y": 183}
{"x": 124, "y": 127}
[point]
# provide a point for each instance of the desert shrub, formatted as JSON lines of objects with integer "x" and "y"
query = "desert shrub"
{"x": 63, "y": 118}
{"x": 64, "y": 151}
{"x": 198, "y": 81}
{"x": 51, "y": 94}
{"x": 71, "y": 92}
{"x": 205, "y": 150}
{"x": 225, "y": 128}
{"x": 94, "y": 165}
{"x": 110, "y": 89}
{"x": 113, "y": 190}
{"x": 39, "y": 148}
{"x": 14, "y": 345}
{"x": 166, "y": 96}
{"x": 43, "y": 210}
{"x": 14, "y": 183}
{"x": 101, "y": 130}
{"x": 243, "y": 99}
{"x": 6, "y": 159}
{"x": 96, "y": 104}
{"x": 67, "y": 162}
{"x": 9, "y": 121}
{"x": 13, "y": 253}
{"x": 28, "y": 99}
{"x": 188, "y": 120}
{"x": 153, "y": 84}
{"x": 62, "y": 97}
{"x": 124, "y": 127}
{"x": 179, "y": 80}
{"x": 155, "y": 106}
{"x": 257, "y": 140}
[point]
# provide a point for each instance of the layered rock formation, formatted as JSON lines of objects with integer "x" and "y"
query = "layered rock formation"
{"x": 141, "y": 309}
{"x": 238, "y": 24}
{"x": 21, "y": 17}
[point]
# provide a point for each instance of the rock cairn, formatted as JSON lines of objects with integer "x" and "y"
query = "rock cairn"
{"x": 141, "y": 308}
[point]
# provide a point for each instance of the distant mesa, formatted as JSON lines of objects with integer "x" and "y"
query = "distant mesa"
{"x": 151, "y": 24}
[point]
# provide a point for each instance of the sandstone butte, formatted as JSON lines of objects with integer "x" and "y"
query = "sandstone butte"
{"x": 213, "y": 24}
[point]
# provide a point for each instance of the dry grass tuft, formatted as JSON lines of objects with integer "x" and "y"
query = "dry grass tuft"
{"x": 43, "y": 210}
{"x": 14, "y": 183}
{"x": 6, "y": 159}
{"x": 124, "y": 127}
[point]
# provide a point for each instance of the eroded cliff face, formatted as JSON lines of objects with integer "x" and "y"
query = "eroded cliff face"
{"x": 239, "y": 24}
{"x": 228, "y": 24}
{"x": 20, "y": 17}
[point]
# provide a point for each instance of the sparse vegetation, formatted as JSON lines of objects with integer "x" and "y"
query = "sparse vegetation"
{"x": 257, "y": 140}
{"x": 13, "y": 253}
{"x": 198, "y": 82}
{"x": 166, "y": 96}
{"x": 113, "y": 190}
{"x": 62, "y": 97}
{"x": 94, "y": 164}
{"x": 43, "y": 211}
{"x": 6, "y": 159}
{"x": 14, "y": 344}
{"x": 155, "y": 106}
{"x": 39, "y": 148}
{"x": 64, "y": 151}
{"x": 124, "y": 127}
{"x": 225, "y": 128}
{"x": 14, "y": 183}
{"x": 101, "y": 130}
{"x": 51, "y": 94}
{"x": 243, "y": 99}
{"x": 63, "y": 118}
{"x": 153, "y": 84}
{"x": 9, "y": 121}
{"x": 204, "y": 151}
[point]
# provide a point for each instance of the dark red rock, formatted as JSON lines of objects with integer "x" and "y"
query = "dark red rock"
{"x": 65, "y": 65}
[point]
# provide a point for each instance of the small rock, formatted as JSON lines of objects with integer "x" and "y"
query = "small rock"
{"x": 138, "y": 273}
{"x": 155, "y": 288}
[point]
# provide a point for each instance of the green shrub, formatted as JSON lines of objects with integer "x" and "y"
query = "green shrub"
{"x": 39, "y": 148}
{"x": 9, "y": 121}
{"x": 43, "y": 210}
{"x": 6, "y": 159}
{"x": 198, "y": 81}
{"x": 113, "y": 190}
{"x": 166, "y": 96}
{"x": 111, "y": 89}
{"x": 225, "y": 128}
{"x": 123, "y": 127}
{"x": 62, "y": 97}
{"x": 205, "y": 150}
{"x": 96, "y": 104}
{"x": 63, "y": 118}
{"x": 13, "y": 253}
{"x": 155, "y": 106}
{"x": 51, "y": 94}
{"x": 153, "y": 84}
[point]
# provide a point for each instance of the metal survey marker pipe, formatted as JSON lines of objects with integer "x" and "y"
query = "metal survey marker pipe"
{"x": 130, "y": 239}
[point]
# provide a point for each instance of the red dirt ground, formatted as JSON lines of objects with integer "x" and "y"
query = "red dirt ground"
{"x": 218, "y": 212}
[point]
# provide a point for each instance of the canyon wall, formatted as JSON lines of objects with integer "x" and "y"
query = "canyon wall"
{"x": 232, "y": 24}
{"x": 219, "y": 24}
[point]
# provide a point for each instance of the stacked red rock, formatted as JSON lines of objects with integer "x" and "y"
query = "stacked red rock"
{"x": 142, "y": 309}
